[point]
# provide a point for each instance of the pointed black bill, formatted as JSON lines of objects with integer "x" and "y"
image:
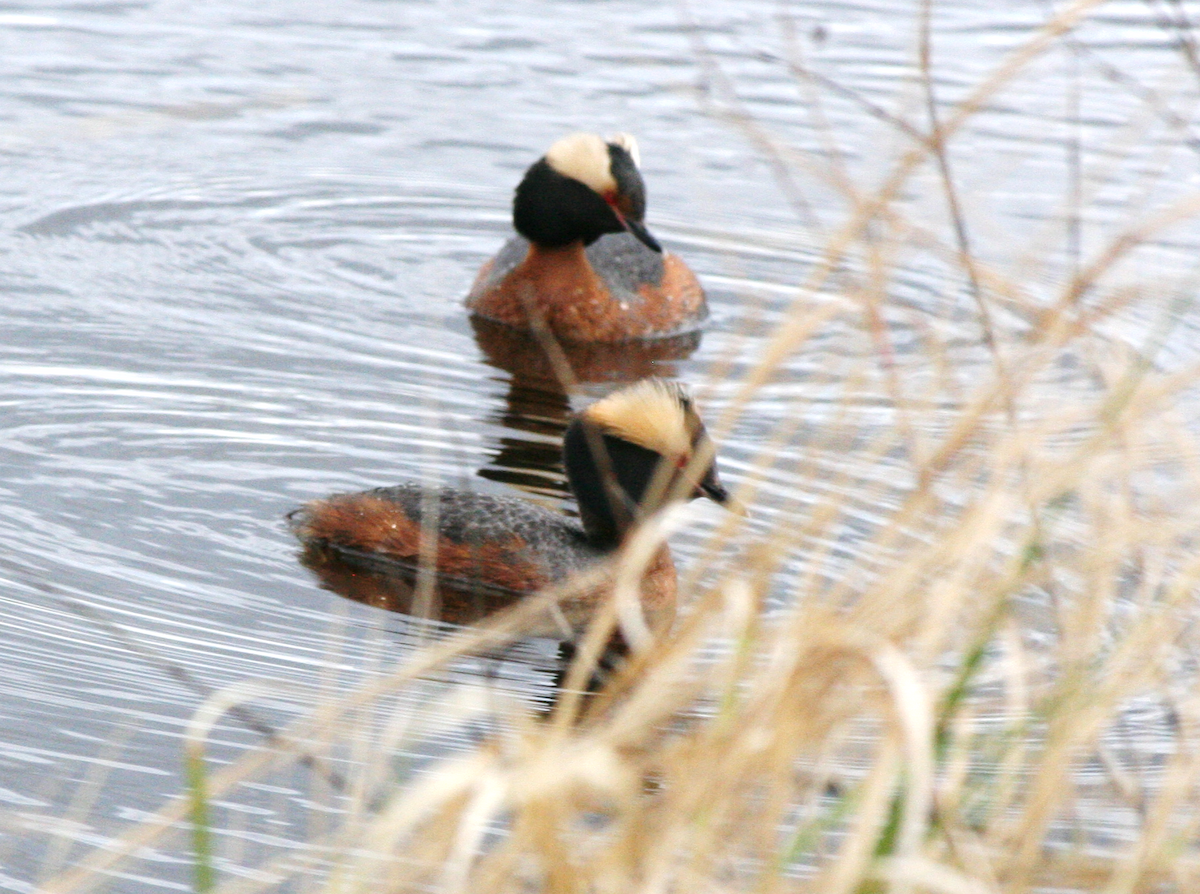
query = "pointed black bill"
{"x": 643, "y": 235}
{"x": 714, "y": 490}
{"x": 710, "y": 486}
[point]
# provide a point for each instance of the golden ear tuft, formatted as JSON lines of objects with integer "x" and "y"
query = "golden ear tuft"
{"x": 652, "y": 413}
{"x": 583, "y": 157}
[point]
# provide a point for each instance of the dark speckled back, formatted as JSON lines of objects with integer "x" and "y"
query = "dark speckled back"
{"x": 622, "y": 261}
{"x": 625, "y": 263}
{"x": 552, "y": 541}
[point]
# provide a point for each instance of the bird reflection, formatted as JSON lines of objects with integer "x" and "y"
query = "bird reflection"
{"x": 395, "y": 588}
{"x": 529, "y": 358}
{"x": 536, "y": 402}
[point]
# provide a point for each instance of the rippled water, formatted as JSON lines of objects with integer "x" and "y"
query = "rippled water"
{"x": 235, "y": 242}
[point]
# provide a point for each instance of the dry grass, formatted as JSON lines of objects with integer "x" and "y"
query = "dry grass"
{"x": 998, "y": 696}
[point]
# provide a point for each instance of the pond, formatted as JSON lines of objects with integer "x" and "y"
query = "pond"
{"x": 236, "y": 241}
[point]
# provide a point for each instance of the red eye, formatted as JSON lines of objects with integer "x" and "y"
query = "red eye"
{"x": 616, "y": 202}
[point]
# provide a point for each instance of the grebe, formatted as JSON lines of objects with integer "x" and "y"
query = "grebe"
{"x": 507, "y": 546}
{"x": 564, "y": 273}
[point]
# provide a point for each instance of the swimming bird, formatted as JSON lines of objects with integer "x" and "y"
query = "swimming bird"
{"x": 583, "y": 266}
{"x": 626, "y": 456}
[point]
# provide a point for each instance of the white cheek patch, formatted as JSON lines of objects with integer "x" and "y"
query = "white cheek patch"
{"x": 584, "y": 157}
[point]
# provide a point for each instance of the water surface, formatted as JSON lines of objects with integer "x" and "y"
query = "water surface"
{"x": 234, "y": 245}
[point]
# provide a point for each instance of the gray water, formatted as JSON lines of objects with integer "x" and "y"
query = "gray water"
{"x": 234, "y": 240}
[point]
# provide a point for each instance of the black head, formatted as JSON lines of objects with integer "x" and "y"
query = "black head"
{"x": 581, "y": 189}
{"x": 629, "y": 454}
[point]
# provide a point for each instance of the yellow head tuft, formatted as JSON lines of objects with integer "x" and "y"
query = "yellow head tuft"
{"x": 653, "y": 414}
{"x": 584, "y": 157}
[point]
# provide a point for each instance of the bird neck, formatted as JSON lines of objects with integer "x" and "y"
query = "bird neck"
{"x": 609, "y": 478}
